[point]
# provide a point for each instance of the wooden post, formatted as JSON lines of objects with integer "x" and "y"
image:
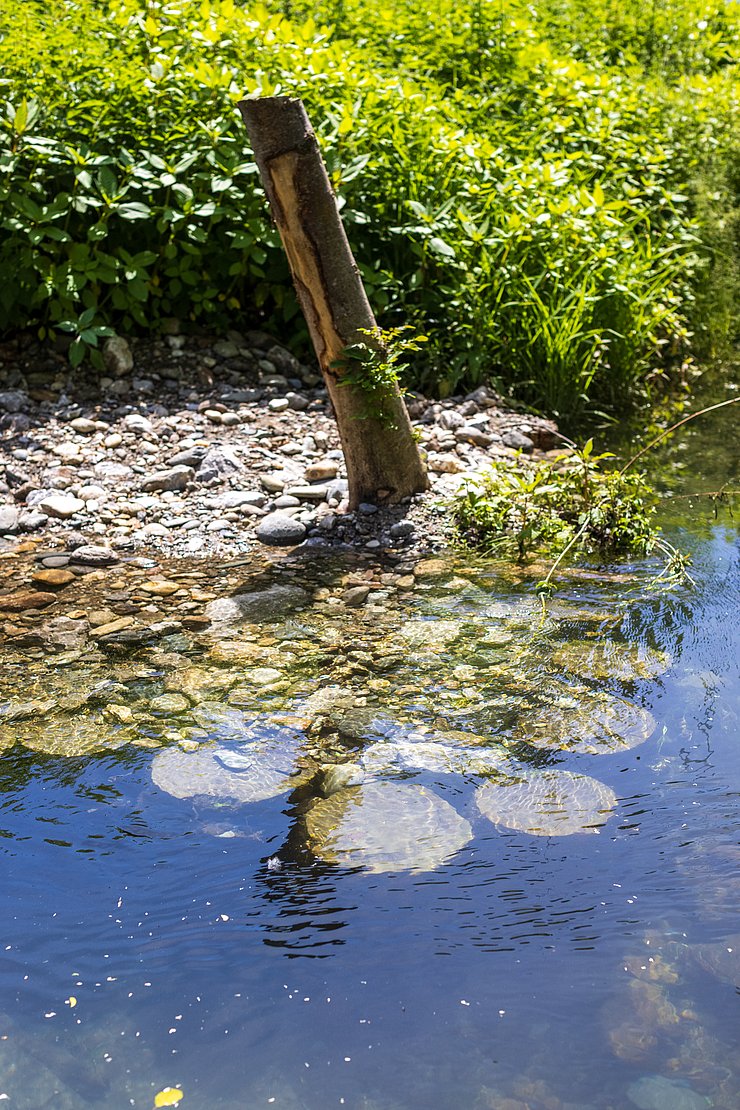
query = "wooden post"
{"x": 382, "y": 457}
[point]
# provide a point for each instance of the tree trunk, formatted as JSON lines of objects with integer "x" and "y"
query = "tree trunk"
{"x": 383, "y": 461}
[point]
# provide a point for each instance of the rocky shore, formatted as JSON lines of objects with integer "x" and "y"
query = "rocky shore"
{"x": 188, "y": 446}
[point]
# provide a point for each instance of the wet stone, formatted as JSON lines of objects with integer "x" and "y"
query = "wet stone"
{"x": 24, "y": 600}
{"x": 169, "y": 703}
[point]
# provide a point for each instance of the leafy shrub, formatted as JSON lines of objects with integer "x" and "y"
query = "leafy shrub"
{"x": 520, "y": 506}
{"x": 529, "y": 209}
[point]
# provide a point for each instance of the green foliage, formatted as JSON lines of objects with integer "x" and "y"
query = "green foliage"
{"x": 374, "y": 366}
{"x": 548, "y": 191}
{"x": 520, "y": 506}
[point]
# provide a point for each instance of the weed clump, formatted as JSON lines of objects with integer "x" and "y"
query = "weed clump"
{"x": 519, "y": 507}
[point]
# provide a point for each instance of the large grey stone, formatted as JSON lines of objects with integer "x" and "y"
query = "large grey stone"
{"x": 218, "y": 462}
{"x": 176, "y": 478}
{"x": 61, "y": 506}
{"x": 280, "y": 530}
{"x": 12, "y": 400}
{"x": 93, "y": 555}
{"x": 518, "y": 441}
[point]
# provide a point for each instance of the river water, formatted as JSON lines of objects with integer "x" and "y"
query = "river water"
{"x": 526, "y": 895}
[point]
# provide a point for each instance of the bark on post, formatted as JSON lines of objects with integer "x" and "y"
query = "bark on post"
{"x": 383, "y": 460}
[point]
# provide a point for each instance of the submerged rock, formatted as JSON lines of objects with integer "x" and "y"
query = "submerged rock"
{"x": 601, "y": 660}
{"x": 721, "y": 959}
{"x": 584, "y": 721}
{"x": 249, "y": 772}
{"x": 428, "y": 754}
{"x": 655, "y": 1092}
{"x": 261, "y": 605}
{"x": 384, "y": 826}
{"x": 73, "y": 736}
{"x": 547, "y": 803}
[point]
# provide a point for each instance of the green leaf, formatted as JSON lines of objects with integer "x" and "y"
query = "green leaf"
{"x": 20, "y": 119}
{"x": 440, "y": 247}
{"x": 134, "y": 210}
{"x": 76, "y": 353}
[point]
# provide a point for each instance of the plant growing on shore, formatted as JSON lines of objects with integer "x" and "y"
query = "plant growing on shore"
{"x": 519, "y": 507}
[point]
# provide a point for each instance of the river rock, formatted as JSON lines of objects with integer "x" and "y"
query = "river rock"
{"x": 160, "y": 587}
{"x": 261, "y": 605}
{"x": 61, "y": 506}
{"x": 8, "y": 519}
{"x": 218, "y": 462}
{"x": 280, "y": 530}
{"x": 12, "y": 400}
{"x": 93, "y": 555}
{"x": 117, "y": 357}
{"x": 356, "y": 596}
{"x": 321, "y": 471}
{"x": 191, "y": 456}
{"x": 518, "y": 441}
{"x": 82, "y": 425}
{"x": 174, "y": 479}
{"x": 655, "y": 1092}
{"x": 22, "y": 600}
{"x": 118, "y": 625}
{"x": 169, "y": 703}
{"x": 55, "y": 577}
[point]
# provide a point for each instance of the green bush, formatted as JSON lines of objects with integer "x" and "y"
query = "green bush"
{"x": 517, "y": 184}
{"x": 519, "y": 507}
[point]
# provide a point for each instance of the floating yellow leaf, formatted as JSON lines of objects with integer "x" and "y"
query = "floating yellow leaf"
{"x": 169, "y": 1096}
{"x": 72, "y": 1001}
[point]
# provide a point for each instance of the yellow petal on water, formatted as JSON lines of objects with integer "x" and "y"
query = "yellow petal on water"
{"x": 169, "y": 1096}
{"x": 72, "y": 1001}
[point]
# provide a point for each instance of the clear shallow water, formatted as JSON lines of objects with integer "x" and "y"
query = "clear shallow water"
{"x": 207, "y": 947}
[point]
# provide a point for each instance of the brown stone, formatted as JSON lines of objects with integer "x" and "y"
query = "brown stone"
{"x": 55, "y": 577}
{"x": 194, "y": 623}
{"x": 113, "y": 626}
{"x": 25, "y": 599}
{"x": 160, "y": 587}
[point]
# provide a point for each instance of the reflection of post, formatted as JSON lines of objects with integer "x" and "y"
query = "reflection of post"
{"x": 383, "y": 461}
